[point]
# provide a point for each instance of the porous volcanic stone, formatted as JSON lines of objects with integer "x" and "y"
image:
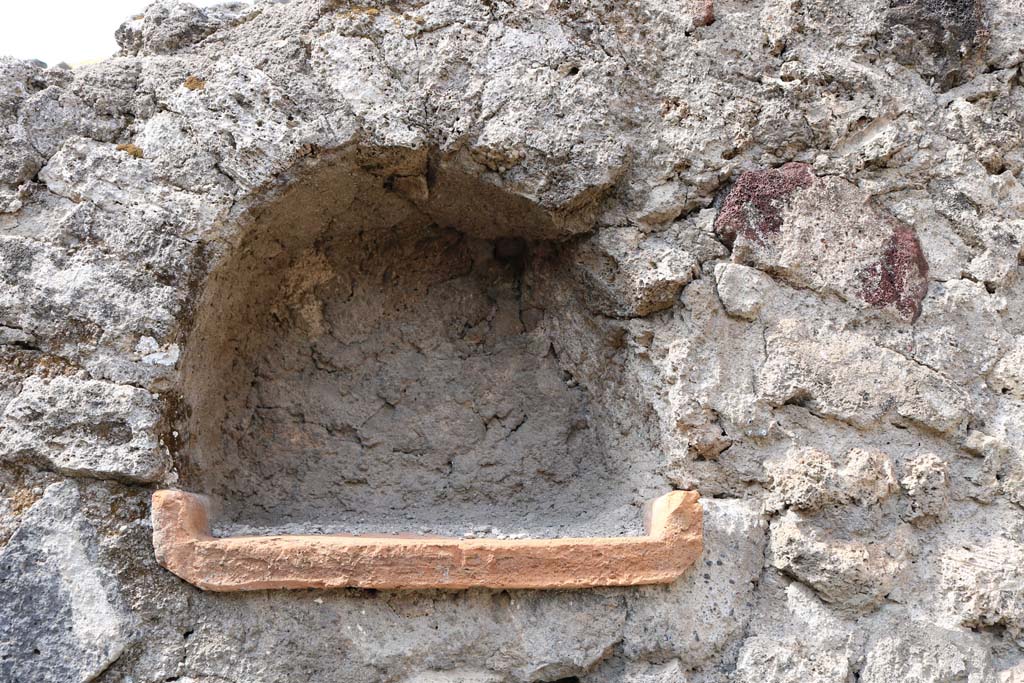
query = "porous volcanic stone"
{"x": 507, "y": 270}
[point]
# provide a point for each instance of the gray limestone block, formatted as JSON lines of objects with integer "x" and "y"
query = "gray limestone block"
{"x": 85, "y": 427}
{"x": 61, "y": 619}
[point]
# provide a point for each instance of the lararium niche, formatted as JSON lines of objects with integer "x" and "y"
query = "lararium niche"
{"x": 392, "y": 382}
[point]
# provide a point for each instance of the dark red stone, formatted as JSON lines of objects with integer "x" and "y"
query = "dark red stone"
{"x": 706, "y": 14}
{"x": 900, "y": 277}
{"x": 753, "y": 208}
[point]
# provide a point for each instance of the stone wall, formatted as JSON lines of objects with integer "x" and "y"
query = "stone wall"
{"x": 512, "y": 268}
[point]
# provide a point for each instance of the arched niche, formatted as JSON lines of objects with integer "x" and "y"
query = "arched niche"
{"x": 388, "y": 346}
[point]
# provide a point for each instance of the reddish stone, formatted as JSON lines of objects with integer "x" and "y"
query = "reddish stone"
{"x": 753, "y": 208}
{"x": 185, "y": 546}
{"x": 706, "y": 14}
{"x": 900, "y": 278}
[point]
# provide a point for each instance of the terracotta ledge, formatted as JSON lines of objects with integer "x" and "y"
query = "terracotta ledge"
{"x": 184, "y": 545}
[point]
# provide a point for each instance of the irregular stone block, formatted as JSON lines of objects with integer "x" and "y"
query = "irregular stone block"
{"x": 629, "y": 274}
{"x": 1007, "y": 377}
{"x": 867, "y": 477}
{"x": 827, "y": 235}
{"x": 753, "y": 209}
{"x": 85, "y": 427}
{"x": 985, "y": 585}
{"x": 1003, "y": 468}
{"x": 911, "y": 650}
{"x": 167, "y": 26}
{"x": 805, "y": 479}
{"x": 670, "y": 672}
{"x": 791, "y": 661}
{"x": 1004, "y": 49}
{"x": 926, "y": 482}
{"x": 615, "y": 671}
{"x": 60, "y": 617}
{"x": 940, "y": 39}
{"x": 846, "y": 376}
{"x": 742, "y": 290}
{"x": 851, "y": 574}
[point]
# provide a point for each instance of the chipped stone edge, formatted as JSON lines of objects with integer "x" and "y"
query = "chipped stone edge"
{"x": 185, "y": 546}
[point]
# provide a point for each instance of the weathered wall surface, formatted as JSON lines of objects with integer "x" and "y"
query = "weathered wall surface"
{"x": 773, "y": 252}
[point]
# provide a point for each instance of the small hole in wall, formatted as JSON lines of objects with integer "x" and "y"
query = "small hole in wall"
{"x": 801, "y": 399}
{"x": 371, "y": 356}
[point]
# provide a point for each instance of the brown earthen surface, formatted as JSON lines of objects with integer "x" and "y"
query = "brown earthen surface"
{"x": 184, "y": 545}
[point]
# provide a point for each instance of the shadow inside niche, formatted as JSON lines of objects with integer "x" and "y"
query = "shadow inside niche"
{"x": 375, "y": 355}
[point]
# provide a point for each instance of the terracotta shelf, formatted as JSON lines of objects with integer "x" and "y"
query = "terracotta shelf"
{"x": 184, "y": 545}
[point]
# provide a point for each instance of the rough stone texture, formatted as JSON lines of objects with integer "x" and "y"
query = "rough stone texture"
{"x": 85, "y": 427}
{"x": 768, "y": 660}
{"x": 61, "y": 618}
{"x": 983, "y": 585}
{"x": 848, "y": 573}
{"x": 535, "y": 263}
{"x": 926, "y": 482}
{"x": 859, "y": 382}
{"x": 924, "y": 653}
{"x": 860, "y": 253}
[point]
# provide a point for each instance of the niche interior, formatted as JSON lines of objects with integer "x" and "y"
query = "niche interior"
{"x": 386, "y": 352}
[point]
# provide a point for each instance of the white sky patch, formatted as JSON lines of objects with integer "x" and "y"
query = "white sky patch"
{"x": 72, "y": 31}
